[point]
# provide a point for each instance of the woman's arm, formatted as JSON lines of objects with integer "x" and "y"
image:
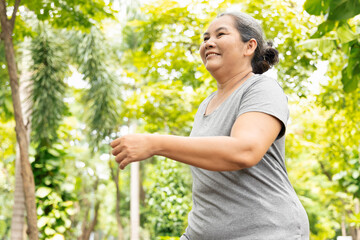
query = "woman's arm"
{"x": 251, "y": 136}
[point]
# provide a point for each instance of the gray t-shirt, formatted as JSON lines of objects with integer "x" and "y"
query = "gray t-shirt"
{"x": 253, "y": 203}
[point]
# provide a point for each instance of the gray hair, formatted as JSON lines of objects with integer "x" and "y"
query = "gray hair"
{"x": 265, "y": 55}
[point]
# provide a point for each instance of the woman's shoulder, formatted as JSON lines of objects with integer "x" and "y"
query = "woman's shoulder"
{"x": 263, "y": 79}
{"x": 264, "y": 83}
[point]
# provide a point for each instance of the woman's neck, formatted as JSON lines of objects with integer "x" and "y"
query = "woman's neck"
{"x": 227, "y": 84}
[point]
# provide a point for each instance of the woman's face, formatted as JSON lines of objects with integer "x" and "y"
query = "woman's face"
{"x": 222, "y": 47}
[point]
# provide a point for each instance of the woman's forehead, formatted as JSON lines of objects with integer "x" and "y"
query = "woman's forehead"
{"x": 223, "y": 22}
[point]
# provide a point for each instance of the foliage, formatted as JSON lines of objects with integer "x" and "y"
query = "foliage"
{"x": 54, "y": 200}
{"x": 6, "y": 110}
{"x": 304, "y": 141}
{"x": 337, "y": 41}
{"x": 48, "y": 109}
{"x": 70, "y": 14}
{"x": 341, "y": 151}
{"x": 169, "y": 198}
{"x": 47, "y": 94}
{"x": 7, "y": 160}
{"x": 323, "y": 154}
{"x": 101, "y": 100}
{"x": 152, "y": 74}
{"x": 163, "y": 110}
{"x": 339, "y": 30}
{"x": 47, "y": 87}
{"x": 337, "y": 10}
{"x": 295, "y": 65}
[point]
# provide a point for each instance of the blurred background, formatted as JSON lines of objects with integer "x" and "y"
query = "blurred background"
{"x": 91, "y": 71}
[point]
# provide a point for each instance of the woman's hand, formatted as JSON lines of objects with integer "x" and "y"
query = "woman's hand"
{"x": 132, "y": 148}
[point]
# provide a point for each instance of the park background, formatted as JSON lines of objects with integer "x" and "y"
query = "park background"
{"x": 91, "y": 71}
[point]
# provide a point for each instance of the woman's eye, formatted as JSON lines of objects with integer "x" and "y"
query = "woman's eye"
{"x": 220, "y": 34}
{"x": 206, "y": 38}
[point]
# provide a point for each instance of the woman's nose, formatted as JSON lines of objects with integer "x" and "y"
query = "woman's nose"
{"x": 209, "y": 44}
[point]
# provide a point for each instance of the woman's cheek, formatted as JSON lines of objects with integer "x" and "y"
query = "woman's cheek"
{"x": 202, "y": 53}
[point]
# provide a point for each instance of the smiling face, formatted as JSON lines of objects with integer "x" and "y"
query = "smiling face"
{"x": 222, "y": 48}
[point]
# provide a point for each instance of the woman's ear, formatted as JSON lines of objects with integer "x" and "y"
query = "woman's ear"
{"x": 250, "y": 47}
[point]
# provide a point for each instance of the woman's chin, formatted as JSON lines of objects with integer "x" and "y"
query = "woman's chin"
{"x": 211, "y": 67}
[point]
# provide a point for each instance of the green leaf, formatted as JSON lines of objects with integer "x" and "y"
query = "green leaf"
{"x": 325, "y": 45}
{"x": 354, "y": 60}
{"x": 349, "y": 83}
{"x": 316, "y": 7}
{"x": 355, "y": 174}
{"x": 343, "y": 9}
{"x": 345, "y": 34}
{"x": 43, "y": 192}
{"x": 49, "y": 231}
{"x": 42, "y": 222}
{"x": 61, "y": 229}
{"x": 49, "y": 167}
{"x": 324, "y": 28}
{"x": 353, "y": 188}
{"x": 32, "y": 150}
{"x": 58, "y": 146}
{"x": 8, "y": 104}
{"x": 54, "y": 152}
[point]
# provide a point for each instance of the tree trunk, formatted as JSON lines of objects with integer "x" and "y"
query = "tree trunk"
{"x": 26, "y": 171}
{"x": 18, "y": 216}
{"x": 141, "y": 185}
{"x": 134, "y": 201}
{"x": 115, "y": 177}
{"x": 84, "y": 223}
{"x": 87, "y": 228}
{"x": 343, "y": 226}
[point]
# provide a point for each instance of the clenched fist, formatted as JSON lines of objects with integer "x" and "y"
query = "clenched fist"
{"x": 132, "y": 148}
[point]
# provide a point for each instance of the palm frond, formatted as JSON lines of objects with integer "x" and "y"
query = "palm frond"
{"x": 48, "y": 87}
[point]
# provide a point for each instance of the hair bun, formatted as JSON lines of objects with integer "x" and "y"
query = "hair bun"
{"x": 271, "y": 55}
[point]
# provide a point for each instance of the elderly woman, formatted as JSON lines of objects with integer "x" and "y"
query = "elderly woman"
{"x": 236, "y": 149}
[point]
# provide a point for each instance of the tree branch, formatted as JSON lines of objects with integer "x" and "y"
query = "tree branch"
{"x": 94, "y": 221}
{"x": 3, "y": 19}
{"x": 111, "y": 170}
{"x": 12, "y": 20}
{"x": 326, "y": 172}
{"x": 3, "y": 16}
{"x": 3, "y": 8}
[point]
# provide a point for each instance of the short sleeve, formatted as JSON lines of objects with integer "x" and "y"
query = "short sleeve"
{"x": 267, "y": 96}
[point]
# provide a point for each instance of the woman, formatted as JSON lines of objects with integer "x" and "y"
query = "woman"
{"x": 236, "y": 148}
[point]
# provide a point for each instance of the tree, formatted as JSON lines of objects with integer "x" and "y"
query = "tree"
{"x": 17, "y": 221}
{"x": 115, "y": 172}
{"x": 7, "y": 27}
{"x": 43, "y": 10}
{"x": 338, "y": 42}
